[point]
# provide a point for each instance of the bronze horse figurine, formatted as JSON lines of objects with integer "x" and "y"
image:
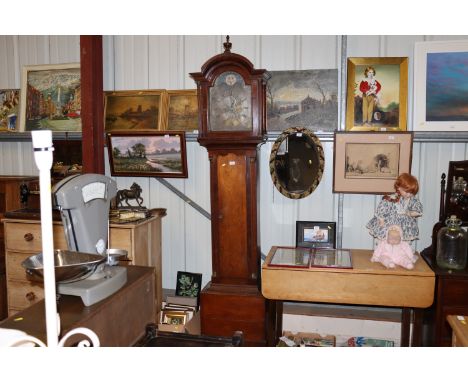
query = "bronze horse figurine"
{"x": 125, "y": 195}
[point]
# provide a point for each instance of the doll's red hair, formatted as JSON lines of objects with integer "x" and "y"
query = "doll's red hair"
{"x": 406, "y": 182}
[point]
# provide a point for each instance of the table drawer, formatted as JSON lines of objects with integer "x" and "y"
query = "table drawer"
{"x": 13, "y": 264}
{"x": 23, "y": 294}
{"x": 122, "y": 238}
{"x": 454, "y": 292}
{"x": 28, "y": 237}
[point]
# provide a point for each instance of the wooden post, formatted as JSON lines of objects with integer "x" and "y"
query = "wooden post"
{"x": 92, "y": 104}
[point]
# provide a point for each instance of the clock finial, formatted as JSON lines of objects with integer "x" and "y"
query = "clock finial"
{"x": 227, "y": 45}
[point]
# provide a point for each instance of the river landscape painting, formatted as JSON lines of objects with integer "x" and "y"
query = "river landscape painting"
{"x": 159, "y": 154}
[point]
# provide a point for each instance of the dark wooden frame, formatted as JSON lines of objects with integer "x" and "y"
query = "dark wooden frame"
{"x": 329, "y": 226}
{"x": 145, "y": 134}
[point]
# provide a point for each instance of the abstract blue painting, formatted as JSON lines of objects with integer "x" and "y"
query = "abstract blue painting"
{"x": 447, "y": 86}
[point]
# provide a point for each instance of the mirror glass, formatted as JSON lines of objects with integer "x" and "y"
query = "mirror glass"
{"x": 296, "y": 162}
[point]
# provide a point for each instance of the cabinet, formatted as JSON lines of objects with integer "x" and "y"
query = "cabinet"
{"x": 451, "y": 297}
{"x": 10, "y": 200}
{"x": 142, "y": 240}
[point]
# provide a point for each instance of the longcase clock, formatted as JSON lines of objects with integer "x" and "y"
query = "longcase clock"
{"x": 232, "y": 111}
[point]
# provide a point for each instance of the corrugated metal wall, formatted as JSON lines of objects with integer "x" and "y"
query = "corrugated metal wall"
{"x": 163, "y": 62}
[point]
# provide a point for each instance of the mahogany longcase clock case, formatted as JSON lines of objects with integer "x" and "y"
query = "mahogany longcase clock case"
{"x": 232, "y": 112}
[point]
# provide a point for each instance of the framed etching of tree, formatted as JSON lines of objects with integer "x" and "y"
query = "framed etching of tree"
{"x": 160, "y": 154}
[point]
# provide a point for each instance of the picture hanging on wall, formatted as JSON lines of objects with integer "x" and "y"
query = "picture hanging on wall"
{"x": 9, "y": 109}
{"x": 369, "y": 163}
{"x": 182, "y": 113}
{"x": 307, "y": 98}
{"x": 377, "y": 94}
{"x": 160, "y": 154}
{"x": 441, "y": 86}
{"x": 135, "y": 110}
{"x": 51, "y": 98}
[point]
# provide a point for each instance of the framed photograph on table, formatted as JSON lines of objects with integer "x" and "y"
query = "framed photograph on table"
{"x": 369, "y": 163}
{"x": 51, "y": 98}
{"x": 315, "y": 234}
{"x": 441, "y": 86}
{"x": 160, "y": 154}
{"x": 290, "y": 257}
{"x": 135, "y": 110}
{"x": 377, "y": 94}
{"x": 182, "y": 113}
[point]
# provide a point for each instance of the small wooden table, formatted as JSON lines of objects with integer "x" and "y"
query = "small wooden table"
{"x": 459, "y": 330}
{"x": 366, "y": 283}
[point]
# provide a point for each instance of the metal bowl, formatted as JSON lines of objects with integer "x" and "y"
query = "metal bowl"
{"x": 69, "y": 266}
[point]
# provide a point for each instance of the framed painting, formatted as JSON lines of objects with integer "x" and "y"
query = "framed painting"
{"x": 369, "y": 163}
{"x": 441, "y": 86}
{"x": 9, "y": 109}
{"x": 135, "y": 110}
{"x": 377, "y": 92}
{"x": 307, "y": 98}
{"x": 189, "y": 285}
{"x": 160, "y": 154}
{"x": 315, "y": 234}
{"x": 51, "y": 98}
{"x": 182, "y": 111}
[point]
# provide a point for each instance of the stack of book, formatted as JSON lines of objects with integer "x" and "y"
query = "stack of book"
{"x": 177, "y": 312}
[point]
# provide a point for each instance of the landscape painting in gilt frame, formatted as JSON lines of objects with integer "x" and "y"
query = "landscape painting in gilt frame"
{"x": 441, "y": 86}
{"x": 377, "y": 94}
{"x": 51, "y": 98}
{"x": 182, "y": 111}
{"x": 305, "y": 98}
{"x": 135, "y": 110}
{"x": 369, "y": 163}
{"x": 159, "y": 154}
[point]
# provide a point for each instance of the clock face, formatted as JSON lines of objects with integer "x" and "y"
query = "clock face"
{"x": 230, "y": 104}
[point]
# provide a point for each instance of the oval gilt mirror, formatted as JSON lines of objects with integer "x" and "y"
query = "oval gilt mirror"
{"x": 296, "y": 162}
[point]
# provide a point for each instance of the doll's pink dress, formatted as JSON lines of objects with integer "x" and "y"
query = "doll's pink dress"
{"x": 394, "y": 254}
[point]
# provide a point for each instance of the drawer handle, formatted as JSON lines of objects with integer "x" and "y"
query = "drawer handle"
{"x": 30, "y": 296}
{"x": 28, "y": 237}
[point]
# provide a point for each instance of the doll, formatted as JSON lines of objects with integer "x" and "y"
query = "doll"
{"x": 400, "y": 208}
{"x": 393, "y": 251}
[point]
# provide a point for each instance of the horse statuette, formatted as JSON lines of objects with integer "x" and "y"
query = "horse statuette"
{"x": 132, "y": 194}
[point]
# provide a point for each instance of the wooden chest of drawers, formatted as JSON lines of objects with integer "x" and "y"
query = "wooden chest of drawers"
{"x": 142, "y": 240}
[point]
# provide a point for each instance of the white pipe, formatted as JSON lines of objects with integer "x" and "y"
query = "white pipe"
{"x": 42, "y": 143}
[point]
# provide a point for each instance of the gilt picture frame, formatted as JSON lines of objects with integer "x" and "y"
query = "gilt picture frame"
{"x": 134, "y": 110}
{"x": 9, "y": 109}
{"x": 182, "y": 110}
{"x": 377, "y": 103}
{"x": 51, "y": 98}
{"x": 370, "y": 162}
{"x": 159, "y": 154}
{"x": 440, "y": 86}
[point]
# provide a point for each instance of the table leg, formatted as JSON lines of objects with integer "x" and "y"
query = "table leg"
{"x": 416, "y": 339}
{"x": 275, "y": 322}
{"x": 405, "y": 326}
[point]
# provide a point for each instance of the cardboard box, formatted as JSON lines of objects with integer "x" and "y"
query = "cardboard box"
{"x": 191, "y": 327}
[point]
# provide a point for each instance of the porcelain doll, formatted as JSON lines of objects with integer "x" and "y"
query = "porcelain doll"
{"x": 400, "y": 208}
{"x": 393, "y": 251}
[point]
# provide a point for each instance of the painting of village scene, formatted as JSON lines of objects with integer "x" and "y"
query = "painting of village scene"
{"x": 372, "y": 160}
{"x": 183, "y": 110}
{"x": 51, "y": 98}
{"x": 306, "y": 98}
{"x": 160, "y": 154}
{"x": 9, "y": 109}
{"x": 133, "y": 110}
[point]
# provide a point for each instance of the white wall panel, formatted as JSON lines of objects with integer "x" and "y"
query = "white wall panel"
{"x": 143, "y": 62}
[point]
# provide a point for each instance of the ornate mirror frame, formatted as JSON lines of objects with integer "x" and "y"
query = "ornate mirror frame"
{"x": 320, "y": 157}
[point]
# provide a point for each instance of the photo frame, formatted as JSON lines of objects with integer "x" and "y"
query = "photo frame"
{"x": 377, "y": 103}
{"x": 188, "y": 284}
{"x": 440, "y": 83}
{"x": 51, "y": 98}
{"x": 307, "y": 98}
{"x": 135, "y": 110}
{"x": 290, "y": 257}
{"x": 182, "y": 110}
{"x": 9, "y": 109}
{"x": 173, "y": 317}
{"x": 315, "y": 234}
{"x": 369, "y": 163}
{"x": 159, "y": 154}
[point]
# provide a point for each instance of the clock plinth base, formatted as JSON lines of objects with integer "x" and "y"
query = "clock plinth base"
{"x": 226, "y": 308}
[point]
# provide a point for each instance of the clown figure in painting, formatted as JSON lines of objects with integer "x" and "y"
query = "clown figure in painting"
{"x": 397, "y": 212}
